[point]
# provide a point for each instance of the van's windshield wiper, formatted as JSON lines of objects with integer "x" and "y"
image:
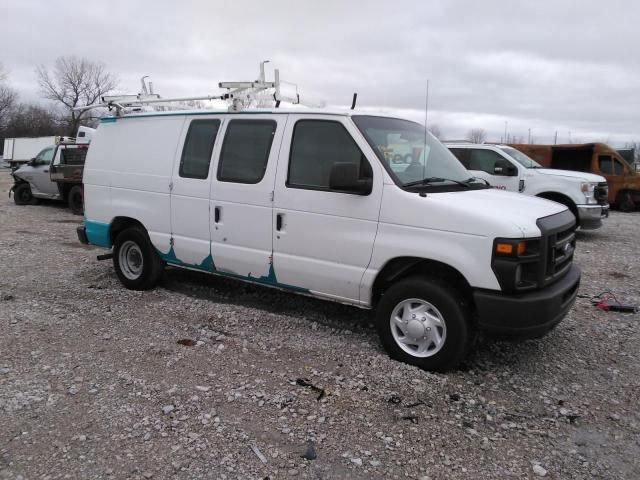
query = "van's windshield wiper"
{"x": 428, "y": 180}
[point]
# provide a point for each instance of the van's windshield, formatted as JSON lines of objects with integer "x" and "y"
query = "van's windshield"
{"x": 409, "y": 156}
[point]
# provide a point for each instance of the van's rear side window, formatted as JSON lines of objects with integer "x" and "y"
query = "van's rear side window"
{"x": 198, "y": 146}
{"x": 245, "y": 150}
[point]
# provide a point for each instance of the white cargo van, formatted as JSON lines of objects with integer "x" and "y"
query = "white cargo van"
{"x": 506, "y": 168}
{"x": 312, "y": 202}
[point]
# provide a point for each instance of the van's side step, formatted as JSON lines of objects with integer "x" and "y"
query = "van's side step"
{"x": 105, "y": 256}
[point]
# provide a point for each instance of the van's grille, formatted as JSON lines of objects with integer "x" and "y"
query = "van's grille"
{"x": 601, "y": 193}
{"x": 558, "y": 246}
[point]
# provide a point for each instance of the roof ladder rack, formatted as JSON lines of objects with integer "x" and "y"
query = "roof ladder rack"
{"x": 240, "y": 95}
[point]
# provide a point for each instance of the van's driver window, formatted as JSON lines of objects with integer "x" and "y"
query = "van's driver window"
{"x": 245, "y": 150}
{"x": 198, "y": 147}
{"x": 316, "y": 146}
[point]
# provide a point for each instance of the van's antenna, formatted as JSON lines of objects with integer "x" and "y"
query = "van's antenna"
{"x": 426, "y": 119}
{"x": 353, "y": 102}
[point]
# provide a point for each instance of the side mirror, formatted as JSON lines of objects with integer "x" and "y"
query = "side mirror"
{"x": 32, "y": 162}
{"x": 503, "y": 167}
{"x": 344, "y": 177}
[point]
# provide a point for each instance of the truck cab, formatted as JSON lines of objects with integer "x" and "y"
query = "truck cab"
{"x": 598, "y": 158}
{"x": 55, "y": 173}
{"x": 506, "y": 168}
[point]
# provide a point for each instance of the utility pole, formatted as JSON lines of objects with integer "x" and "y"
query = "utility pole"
{"x": 555, "y": 138}
{"x": 506, "y": 139}
{"x": 529, "y": 136}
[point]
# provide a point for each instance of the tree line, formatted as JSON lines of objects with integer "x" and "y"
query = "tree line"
{"x": 72, "y": 82}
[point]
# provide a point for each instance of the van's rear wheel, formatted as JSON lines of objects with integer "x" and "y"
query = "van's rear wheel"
{"x": 136, "y": 261}
{"x": 75, "y": 200}
{"x": 425, "y": 322}
{"x": 22, "y": 195}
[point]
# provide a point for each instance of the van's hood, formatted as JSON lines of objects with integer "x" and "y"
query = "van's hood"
{"x": 487, "y": 212}
{"x": 585, "y": 177}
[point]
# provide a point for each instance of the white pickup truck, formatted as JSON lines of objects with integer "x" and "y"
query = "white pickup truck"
{"x": 506, "y": 168}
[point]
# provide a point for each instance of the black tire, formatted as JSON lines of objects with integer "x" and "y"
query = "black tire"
{"x": 22, "y": 195}
{"x": 136, "y": 241}
{"x": 450, "y": 304}
{"x": 75, "y": 199}
{"x": 624, "y": 202}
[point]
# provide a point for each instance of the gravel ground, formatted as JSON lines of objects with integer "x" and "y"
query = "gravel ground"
{"x": 211, "y": 378}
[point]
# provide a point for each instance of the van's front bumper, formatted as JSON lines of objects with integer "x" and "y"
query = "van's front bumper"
{"x": 590, "y": 216}
{"x": 527, "y": 315}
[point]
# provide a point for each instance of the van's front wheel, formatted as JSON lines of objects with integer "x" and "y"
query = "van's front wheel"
{"x": 425, "y": 322}
{"x": 135, "y": 260}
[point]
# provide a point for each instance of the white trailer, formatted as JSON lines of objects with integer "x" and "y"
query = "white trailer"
{"x": 21, "y": 150}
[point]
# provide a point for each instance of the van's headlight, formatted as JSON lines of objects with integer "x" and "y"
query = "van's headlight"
{"x": 516, "y": 263}
{"x": 588, "y": 189}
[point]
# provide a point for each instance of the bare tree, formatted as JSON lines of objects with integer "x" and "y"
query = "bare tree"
{"x": 636, "y": 150}
{"x": 8, "y": 98}
{"x": 477, "y": 135}
{"x": 31, "y": 120}
{"x": 435, "y": 131}
{"x": 75, "y": 82}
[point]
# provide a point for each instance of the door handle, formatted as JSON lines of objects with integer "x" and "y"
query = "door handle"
{"x": 216, "y": 215}
{"x": 279, "y": 222}
{"x": 46, "y": 171}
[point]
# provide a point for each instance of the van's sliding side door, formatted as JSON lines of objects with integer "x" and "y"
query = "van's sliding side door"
{"x": 190, "y": 185}
{"x": 241, "y": 200}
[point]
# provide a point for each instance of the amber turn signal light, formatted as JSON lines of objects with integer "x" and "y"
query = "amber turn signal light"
{"x": 510, "y": 248}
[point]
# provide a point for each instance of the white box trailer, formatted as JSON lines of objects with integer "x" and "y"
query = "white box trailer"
{"x": 21, "y": 150}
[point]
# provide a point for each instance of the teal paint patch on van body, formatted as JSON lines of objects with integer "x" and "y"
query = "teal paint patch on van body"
{"x": 271, "y": 279}
{"x": 208, "y": 265}
{"x": 108, "y": 120}
{"x": 97, "y": 233}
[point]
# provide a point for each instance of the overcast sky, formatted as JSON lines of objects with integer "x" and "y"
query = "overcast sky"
{"x": 565, "y": 66}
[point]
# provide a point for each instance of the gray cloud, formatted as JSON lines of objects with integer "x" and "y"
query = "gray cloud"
{"x": 570, "y": 66}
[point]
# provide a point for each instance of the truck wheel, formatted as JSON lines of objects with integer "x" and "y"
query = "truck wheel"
{"x": 76, "y": 200}
{"x": 624, "y": 202}
{"x": 135, "y": 260}
{"x": 22, "y": 195}
{"x": 424, "y": 322}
